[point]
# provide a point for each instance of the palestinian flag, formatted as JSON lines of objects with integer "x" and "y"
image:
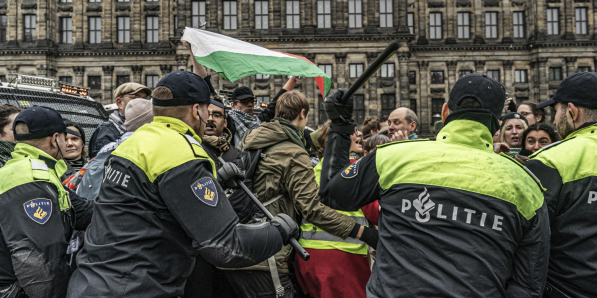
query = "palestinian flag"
{"x": 234, "y": 59}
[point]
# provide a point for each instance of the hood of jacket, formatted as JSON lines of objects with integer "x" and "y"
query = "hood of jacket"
{"x": 266, "y": 135}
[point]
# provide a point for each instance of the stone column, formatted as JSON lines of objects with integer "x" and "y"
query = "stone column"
{"x": 181, "y": 61}
{"x": 451, "y": 19}
{"x": 479, "y": 22}
{"x": 425, "y": 109}
{"x": 107, "y": 85}
{"x": 423, "y": 26}
{"x": 452, "y": 76}
{"x": 341, "y": 72}
{"x": 571, "y": 65}
{"x": 543, "y": 84}
{"x": 12, "y": 22}
{"x": 309, "y": 22}
{"x": 79, "y": 72}
{"x": 569, "y": 15}
{"x": 400, "y": 9}
{"x": 275, "y": 17}
{"x": 78, "y": 26}
{"x": 136, "y": 24}
{"x": 508, "y": 81}
{"x": 137, "y": 70}
{"x": 244, "y": 11}
{"x": 108, "y": 26}
{"x": 340, "y": 22}
{"x": 404, "y": 99}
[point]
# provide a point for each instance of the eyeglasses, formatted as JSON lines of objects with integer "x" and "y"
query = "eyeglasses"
{"x": 215, "y": 116}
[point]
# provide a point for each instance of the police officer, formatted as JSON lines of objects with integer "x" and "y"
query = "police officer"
{"x": 160, "y": 206}
{"x": 457, "y": 220}
{"x": 37, "y": 214}
{"x": 568, "y": 170}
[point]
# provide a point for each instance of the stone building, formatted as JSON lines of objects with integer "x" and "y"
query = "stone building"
{"x": 528, "y": 45}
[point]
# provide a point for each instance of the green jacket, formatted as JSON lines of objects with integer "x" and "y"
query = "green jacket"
{"x": 286, "y": 169}
{"x": 568, "y": 170}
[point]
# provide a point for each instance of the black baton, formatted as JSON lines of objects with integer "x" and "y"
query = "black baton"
{"x": 297, "y": 247}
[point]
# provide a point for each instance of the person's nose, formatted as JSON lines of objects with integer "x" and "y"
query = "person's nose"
{"x": 536, "y": 147}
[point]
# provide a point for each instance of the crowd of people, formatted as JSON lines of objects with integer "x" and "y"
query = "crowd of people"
{"x": 153, "y": 205}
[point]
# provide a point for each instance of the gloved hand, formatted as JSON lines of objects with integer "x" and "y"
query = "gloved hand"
{"x": 228, "y": 174}
{"x": 339, "y": 111}
{"x": 286, "y": 226}
{"x": 370, "y": 236}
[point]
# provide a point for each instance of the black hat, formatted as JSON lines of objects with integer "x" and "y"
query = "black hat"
{"x": 42, "y": 122}
{"x": 579, "y": 89}
{"x": 241, "y": 93}
{"x": 489, "y": 92}
{"x": 187, "y": 88}
{"x": 509, "y": 116}
{"x": 77, "y": 126}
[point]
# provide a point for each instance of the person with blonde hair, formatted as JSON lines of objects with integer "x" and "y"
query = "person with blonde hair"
{"x": 513, "y": 126}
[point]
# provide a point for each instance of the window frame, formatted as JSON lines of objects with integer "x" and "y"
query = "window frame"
{"x": 358, "y": 108}
{"x": 262, "y": 77}
{"x": 464, "y": 27}
{"x": 154, "y": 80}
{"x": 463, "y": 72}
{"x": 261, "y": 17}
{"x": 553, "y": 25}
{"x": 324, "y": 19}
{"x": 388, "y": 104}
{"x": 197, "y": 18}
{"x": 325, "y": 69}
{"x": 410, "y": 22}
{"x": 66, "y": 34}
{"x": 521, "y": 76}
{"x": 95, "y": 34}
{"x": 32, "y": 29}
{"x": 358, "y": 70}
{"x": 491, "y": 25}
{"x": 555, "y": 74}
{"x": 89, "y": 80}
{"x": 580, "y": 26}
{"x": 152, "y": 35}
{"x": 120, "y": 79}
{"x": 66, "y": 79}
{"x": 262, "y": 98}
{"x": 582, "y": 69}
{"x": 492, "y": 71}
{"x": 412, "y": 77}
{"x": 433, "y": 75}
{"x": 126, "y": 32}
{"x": 519, "y": 27}
{"x": 386, "y": 67}
{"x": 356, "y": 16}
{"x": 293, "y": 14}
{"x": 3, "y": 25}
{"x": 433, "y": 27}
{"x": 231, "y": 18}
{"x": 386, "y": 18}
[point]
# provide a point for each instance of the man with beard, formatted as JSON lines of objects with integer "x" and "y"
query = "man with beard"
{"x": 217, "y": 135}
{"x": 567, "y": 169}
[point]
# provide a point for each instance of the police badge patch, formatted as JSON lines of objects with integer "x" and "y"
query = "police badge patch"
{"x": 206, "y": 191}
{"x": 39, "y": 210}
{"x": 351, "y": 171}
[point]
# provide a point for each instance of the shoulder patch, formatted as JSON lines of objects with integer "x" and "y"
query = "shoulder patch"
{"x": 402, "y": 142}
{"x": 206, "y": 191}
{"x": 352, "y": 170}
{"x": 39, "y": 210}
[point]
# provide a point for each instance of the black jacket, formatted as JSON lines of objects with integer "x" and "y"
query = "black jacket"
{"x": 104, "y": 134}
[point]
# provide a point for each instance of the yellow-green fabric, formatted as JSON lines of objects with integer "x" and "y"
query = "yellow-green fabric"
{"x": 487, "y": 173}
{"x": 359, "y": 249}
{"x": 19, "y": 171}
{"x": 582, "y": 142}
{"x": 160, "y": 146}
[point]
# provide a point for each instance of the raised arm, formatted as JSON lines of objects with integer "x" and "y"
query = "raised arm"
{"x": 197, "y": 68}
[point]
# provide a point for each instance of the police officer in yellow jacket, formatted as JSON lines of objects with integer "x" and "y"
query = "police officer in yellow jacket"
{"x": 37, "y": 214}
{"x": 160, "y": 206}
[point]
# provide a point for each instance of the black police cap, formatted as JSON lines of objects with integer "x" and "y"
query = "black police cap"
{"x": 187, "y": 88}
{"x": 579, "y": 89}
{"x": 487, "y": 91}
{"x": 42, "y": 122}
{"x": 241, "y": 93}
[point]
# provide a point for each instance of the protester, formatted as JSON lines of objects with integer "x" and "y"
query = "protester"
{"x": 218, "y": 138}
{"x": 457, "y": 219}
{"x": 76, "y": 152}
{"x": 530, "y": 111}
{"x": 37, "y": 215}
{"x": 8, "y": 113}
{"x": 114, "y": 128}
{"x": 568, "y": 171}
{"x": 403, "y": 125}
{"x": 373, "y": 142}
{"x": 160, "y": 186}
{"x": 513, "y": 125}
{"x": 285, "y": 179}
{"x": 370, "y": 127}
{"x": 534, "y": 138}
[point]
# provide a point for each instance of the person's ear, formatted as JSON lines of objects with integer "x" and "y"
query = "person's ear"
{"x": 445, "y": 112}
{"x": 232, "y": 105}
{"x": 573, "y": 111}
{"x": 303, "y": 116}
{"x": 119, "y": 102}
{"x": 196, "y": 112}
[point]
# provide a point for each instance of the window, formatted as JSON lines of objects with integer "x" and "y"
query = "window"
{"x": 553, "y": 25}
{"x": 122, "y": 1}
{"x": 261, "y": 77}
{"x": 66, "y": 1}
{"x": 491, "y": 25}
{"x": 66, "y": 30}
{"x": 2, "y": 78}
{"x": 356, "y": 70}
{"x": 151, "y": 0}
{"x": 261, "y": 14}
{"x": 124, "y": 29}
{"x": 436, "y": 109}
{"x": 358, "y": 111}
{"x": 122, "y": 79}
{"x": 437, "y": 77}
{"x": 410, "y": 19}
{"x": 387, "y": 70}
{"x": 413, "y": 105}
{"x": 3, "y": 28}
{"x": 584, "y": 69}
{"x": 581, "y": 20}
{"x": 151, "y": 81}
{"x": 386, "y": 16}
{"x": 95, "y": 1}
{"x": 322, "y": 115}
{"x": 293, "y": 15}
{"x": 66, "y": 79}
{"x": 412, "y": 77}
{"x": 197, "y": 13}
{"x": 175, "y": 24}
{"x": 324, "y": 14}
{"x": 494, "y": 74}
{"x": 555, "y": 73}
{"x": 95, "y": 30}
{"x": 355, "y": 14}
{"x": 520, "y": 76}
{"x": 152, "y": 28}
{"x": 30, "y": 20}
{"x": 435, "y": 25}
{"x": 94, "y": 82}
{"x": 327, "y": 69}
{"x": 464, "y": 27}
{"x": 462, "y": 73}
{"x": 230, "y": 15}
{"x": 388, "y": 104}
{"x": 262, "y": 99}
{"x": 518, "y": 23}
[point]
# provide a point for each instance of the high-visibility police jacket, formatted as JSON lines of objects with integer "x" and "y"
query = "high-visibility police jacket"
{"x": 457, "y": 220}
{"x": 158, "y": 209}
{"x": 316, "y": 238}
{"x": 36, "y": 222}
{"x": 568, "y": 170}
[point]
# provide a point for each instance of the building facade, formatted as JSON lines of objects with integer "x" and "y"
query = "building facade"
{"x": 528, "y": 45}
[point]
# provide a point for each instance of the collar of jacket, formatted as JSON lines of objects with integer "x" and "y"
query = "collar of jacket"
{"x": 176, "y": 125}
{"x": 23, "y": 150}
{"x": 482, "y": 116}
{"x": 469, "y": 133}
{"x": 587, "y": 130}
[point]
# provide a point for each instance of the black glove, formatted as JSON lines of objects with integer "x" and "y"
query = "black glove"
{"x": 286, "y": 226}
{"x": 370, "y": 236}
{"x": 228, "y": 174}
{"x": 339, "y": 111}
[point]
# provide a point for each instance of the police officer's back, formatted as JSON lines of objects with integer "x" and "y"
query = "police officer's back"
{"x": 568, "y": 170}
{"x": 457, "y": 220}
{"x": 160, "y": 207}
{"x": 36, "y": 214}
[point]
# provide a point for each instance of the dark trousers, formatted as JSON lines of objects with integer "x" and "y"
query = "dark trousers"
{"x": 257, "y": 284}
{"x": 206, "y": 281}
